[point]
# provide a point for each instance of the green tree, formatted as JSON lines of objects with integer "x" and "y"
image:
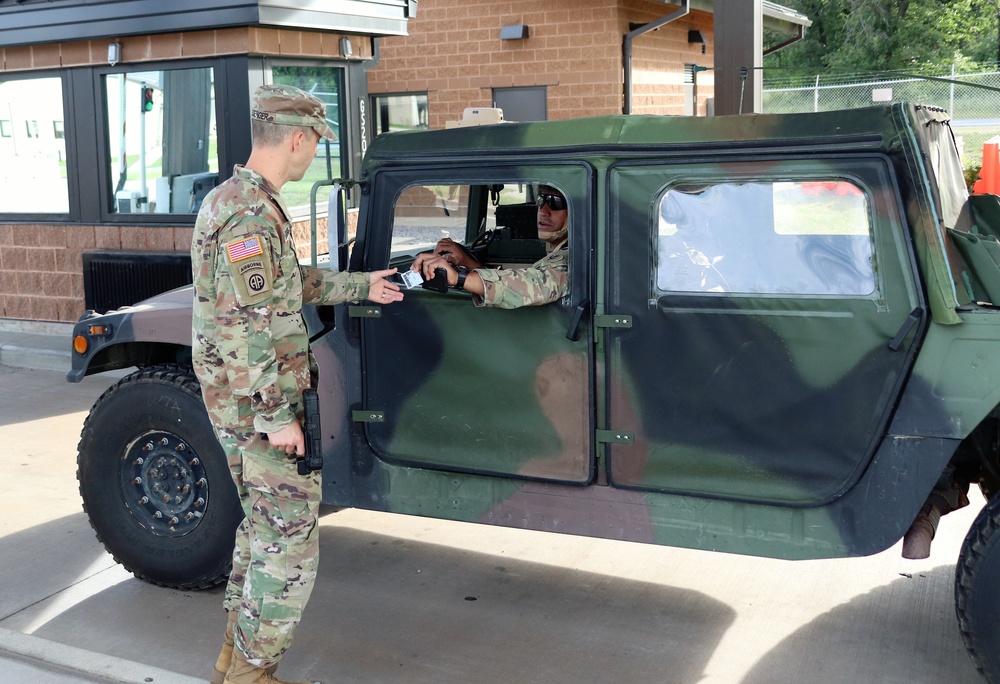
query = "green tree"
{"x": 882, "y": 35}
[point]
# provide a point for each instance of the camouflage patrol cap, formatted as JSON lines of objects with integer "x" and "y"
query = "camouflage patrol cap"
{"x": 289, "y": 106}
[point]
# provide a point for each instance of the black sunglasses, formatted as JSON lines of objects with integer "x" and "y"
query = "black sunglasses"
{"x": 555, "y": 202}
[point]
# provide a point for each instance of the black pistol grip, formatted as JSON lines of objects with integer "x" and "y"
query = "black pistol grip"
{"x": 313, "y": 460}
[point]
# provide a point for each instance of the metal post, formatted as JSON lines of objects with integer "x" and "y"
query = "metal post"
{"x": 142, "y": 150}
{"x": 951, "y": 95}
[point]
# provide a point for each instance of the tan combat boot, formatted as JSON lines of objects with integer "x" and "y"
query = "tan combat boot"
{"x": 225, "y": 658}
{"x": 242, "y": 672}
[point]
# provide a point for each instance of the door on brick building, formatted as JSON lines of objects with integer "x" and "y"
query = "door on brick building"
{"x": 522, "y": 104}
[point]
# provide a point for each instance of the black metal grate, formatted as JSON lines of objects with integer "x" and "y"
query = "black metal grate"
{"x": 113, "y": 279}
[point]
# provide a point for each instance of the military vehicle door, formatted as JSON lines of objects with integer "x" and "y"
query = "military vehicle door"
{"x": 772, "y": 310}
{"x": 482, "y": 390}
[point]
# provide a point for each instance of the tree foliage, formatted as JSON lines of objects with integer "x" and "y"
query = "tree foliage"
{"x": 881, "y": 35}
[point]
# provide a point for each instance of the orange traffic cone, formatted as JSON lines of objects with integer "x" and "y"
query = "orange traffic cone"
{"x": 989, "y": 174}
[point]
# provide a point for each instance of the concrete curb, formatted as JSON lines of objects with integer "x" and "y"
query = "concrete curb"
{"x": 19, "y": 355}
{"x": 96, "y": 666}
{"x": 35, "y": 344}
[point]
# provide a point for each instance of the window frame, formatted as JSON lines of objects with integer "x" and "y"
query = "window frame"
{"x": 87, "y": 140}
{"x": 373, "y": 103}
{"x": 749, "y": 170}
{"x": 105, "y": 199}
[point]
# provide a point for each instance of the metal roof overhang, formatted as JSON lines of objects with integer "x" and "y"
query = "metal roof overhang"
{"x": 33, "y": 22}
{"x": 777, "y": 17}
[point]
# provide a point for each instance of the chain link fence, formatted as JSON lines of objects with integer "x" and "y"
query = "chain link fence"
{"x": 973, "y": 99}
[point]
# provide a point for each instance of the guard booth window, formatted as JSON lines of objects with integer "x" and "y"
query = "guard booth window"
{"x": 33, "y": 172}
{"x": 163, "y": 155}
{"x": 326, "y": 83}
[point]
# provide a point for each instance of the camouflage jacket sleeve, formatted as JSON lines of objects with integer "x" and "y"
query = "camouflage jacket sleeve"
{"x": 244, "y": 320}
{"x": 542, "y": 283}
{"x": 322, "y": 286}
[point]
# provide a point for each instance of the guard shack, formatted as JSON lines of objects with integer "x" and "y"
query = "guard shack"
{"x": 116, "y": 118}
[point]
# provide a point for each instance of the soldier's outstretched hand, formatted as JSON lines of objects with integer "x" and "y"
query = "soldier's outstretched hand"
{"x": 382, "y": 291}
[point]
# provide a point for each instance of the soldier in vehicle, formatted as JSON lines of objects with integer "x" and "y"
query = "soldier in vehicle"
{"x": 251, "y": 356}
{"x": 546, "y": 281}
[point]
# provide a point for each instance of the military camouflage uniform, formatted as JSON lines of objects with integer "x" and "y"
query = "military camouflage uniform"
{"x": 251, "y": 355}
{"x": 543, "y": 282}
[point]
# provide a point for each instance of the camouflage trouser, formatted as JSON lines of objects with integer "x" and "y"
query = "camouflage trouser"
{"x": 277, "y": 545}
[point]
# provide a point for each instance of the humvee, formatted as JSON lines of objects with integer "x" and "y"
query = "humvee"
{"x": 781, "y": 338}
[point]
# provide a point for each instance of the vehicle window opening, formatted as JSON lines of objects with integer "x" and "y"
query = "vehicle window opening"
{"x": 496, "y": 223}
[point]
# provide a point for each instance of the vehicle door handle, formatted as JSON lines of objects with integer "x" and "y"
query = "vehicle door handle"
{"x": 896, "y": 343}
{"x": 573, "y": 332}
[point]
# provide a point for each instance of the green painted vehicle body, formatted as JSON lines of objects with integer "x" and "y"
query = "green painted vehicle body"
{"x": 796, "y": 391}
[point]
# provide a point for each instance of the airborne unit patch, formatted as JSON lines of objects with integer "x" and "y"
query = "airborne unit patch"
{"x": 249, "y": 269}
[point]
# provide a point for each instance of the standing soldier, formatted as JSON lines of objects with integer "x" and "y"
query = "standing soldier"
{"x": 251, "y": 355}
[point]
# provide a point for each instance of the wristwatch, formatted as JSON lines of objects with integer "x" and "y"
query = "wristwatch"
{"x": 462, "y": 273}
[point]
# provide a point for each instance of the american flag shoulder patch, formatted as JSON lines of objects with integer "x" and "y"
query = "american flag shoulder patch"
{"x": 244, "y": 249}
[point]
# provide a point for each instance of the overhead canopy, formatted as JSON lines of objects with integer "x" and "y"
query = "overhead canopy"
{"x": 781, "y": 18}
{"x": 34, "y": 22}
{"x": 776, "y": 17}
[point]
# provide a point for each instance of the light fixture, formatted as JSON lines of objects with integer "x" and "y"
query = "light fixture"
{"x": 513, "y": 32}
{"x": 345, "y": 48}
{"x": 114, "y": 53}
{"x": 696, "y": 37}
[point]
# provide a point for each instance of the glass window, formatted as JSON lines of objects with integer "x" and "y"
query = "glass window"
{"x": 400, "y": 112}
{"x": 325, "y": 83}
{"x": 163, "y": 148}
{"x": 58, "y": 131}
{"x": 807, "y": 238}
{"x": 33, "y": 173}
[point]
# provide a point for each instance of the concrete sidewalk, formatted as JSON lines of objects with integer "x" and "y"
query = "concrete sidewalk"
{"x": 35, "y": 344}
{"x": 40, "y": 345}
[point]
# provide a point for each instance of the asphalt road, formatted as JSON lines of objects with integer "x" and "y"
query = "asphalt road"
{"x": 418, "y": 601}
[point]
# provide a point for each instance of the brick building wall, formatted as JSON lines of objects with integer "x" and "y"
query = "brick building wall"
{"x": 454, "y": 53}
{"x": 41, "y": 265}
{"x": 659, "y": 57}
{"x": 41, "y": 276}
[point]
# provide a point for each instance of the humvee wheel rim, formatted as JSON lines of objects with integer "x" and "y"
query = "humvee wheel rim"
{"x": 164, "y": 484}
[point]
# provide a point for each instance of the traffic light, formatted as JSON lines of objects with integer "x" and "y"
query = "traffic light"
{"x": 147, "y": 99}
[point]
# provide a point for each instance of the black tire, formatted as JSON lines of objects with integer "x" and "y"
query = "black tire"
{"x": 154, "y": 480}
{"x": 977, "y": 591}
